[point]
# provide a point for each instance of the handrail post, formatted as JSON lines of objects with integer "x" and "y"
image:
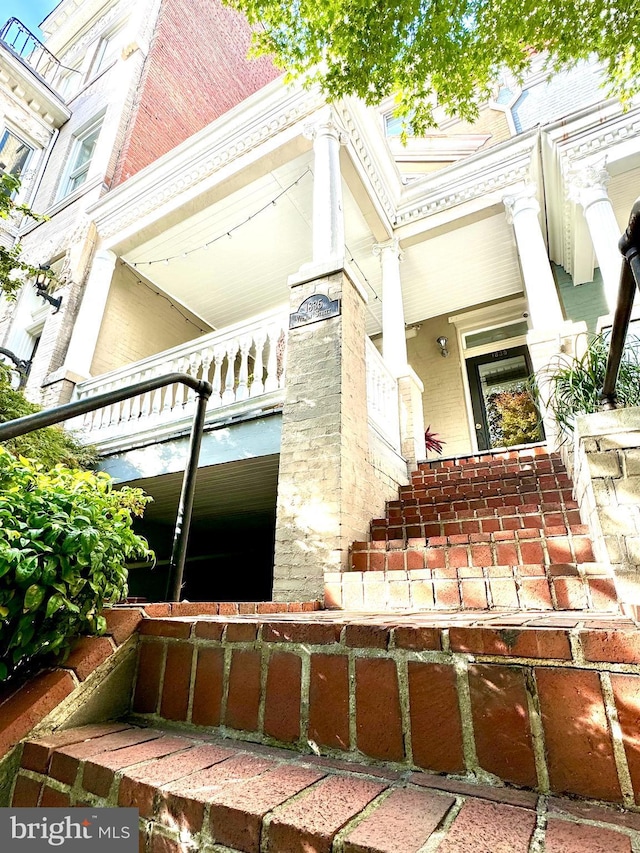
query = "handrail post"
{"x": 629, "y": 246}
{"x": 185, "y": 506}
{"x": 48, "y": 417}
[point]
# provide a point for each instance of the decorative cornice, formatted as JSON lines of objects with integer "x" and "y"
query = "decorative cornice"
{"x": 237, "y": 133}
{"x": 487, "y": 173}
{"x": 583, "y": 148}
{"x": 30, "y": 91}
{"x": 374, "y": 157}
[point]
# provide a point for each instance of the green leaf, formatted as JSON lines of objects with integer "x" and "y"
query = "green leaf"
{"x": 33, "y": 597}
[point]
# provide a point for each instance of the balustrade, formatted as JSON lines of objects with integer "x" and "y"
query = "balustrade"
{"x": 243, "y": 363}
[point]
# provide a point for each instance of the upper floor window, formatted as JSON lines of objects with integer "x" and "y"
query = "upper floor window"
{"x": 14, "y": 153}
{"x": 69, "y": 82}
{"x": 107, "y": 51}
{"x": 80, "y": 160}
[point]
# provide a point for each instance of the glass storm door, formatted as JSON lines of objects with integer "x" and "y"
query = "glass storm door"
{"x": 504, "y": 412}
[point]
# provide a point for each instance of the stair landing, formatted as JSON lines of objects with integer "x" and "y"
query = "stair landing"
{"x": 200, "y": 792}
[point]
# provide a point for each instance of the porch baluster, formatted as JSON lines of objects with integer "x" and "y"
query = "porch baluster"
{"x": 257, "y": 386}
{"x": 216, "y": 397}
{"x": 230, "y": 379}
{"x": 242, "y": 391}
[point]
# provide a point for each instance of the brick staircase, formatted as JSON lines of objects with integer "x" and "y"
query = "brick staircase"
{"x": 496, "y": 531}
{"x": 508, "y": 726}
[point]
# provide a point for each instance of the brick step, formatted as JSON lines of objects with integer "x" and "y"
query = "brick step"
{"x": 482, "y": 489}
{"x": 195, "y": 793}
{"x": 527, "y": 545}
{"x": 493, "y": 476}
{"x": 568, "y": 586}
{"x": 529, "y": 455}
{"x": 541, "y": 700}
{"x": 440, "y": 474}
{"x": 484, "y": 521}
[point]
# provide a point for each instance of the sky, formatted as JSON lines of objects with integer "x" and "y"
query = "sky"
{"x": 30, "y": 12}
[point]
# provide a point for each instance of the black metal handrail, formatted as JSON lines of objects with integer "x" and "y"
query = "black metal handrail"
{"x": 629, "y": 246}
{"x": 48, "y": 417}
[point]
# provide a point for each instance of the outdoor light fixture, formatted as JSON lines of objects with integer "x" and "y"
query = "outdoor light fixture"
{"x": 41, "y": 288}
{"x": 21, "y": 365}
{"x": 442, "y": 344}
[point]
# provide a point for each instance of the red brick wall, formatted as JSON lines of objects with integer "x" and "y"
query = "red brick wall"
{"x": 196, "y": 70}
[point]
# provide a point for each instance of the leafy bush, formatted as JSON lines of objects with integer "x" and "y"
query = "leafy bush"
{"x": 50, "y": 446}
{"x": 571, "y": 386}
{"x": 513, "y": 417}
{"x": 64, "y": 538}
{"x": 13, "y": 269}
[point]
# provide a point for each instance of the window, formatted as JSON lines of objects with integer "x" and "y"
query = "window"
{"x": 81, "y": 156}
{"x": 69, "y": 82}
{"x": 14, "y": 153}
{"x": 108, "y": 49}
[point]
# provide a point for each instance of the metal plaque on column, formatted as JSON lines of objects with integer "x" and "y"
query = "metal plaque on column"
{"x": 313, "y": 309}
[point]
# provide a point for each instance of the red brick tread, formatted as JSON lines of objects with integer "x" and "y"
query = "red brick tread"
{"x": 196, "y": 792}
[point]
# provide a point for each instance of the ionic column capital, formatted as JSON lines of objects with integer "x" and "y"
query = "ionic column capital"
{"x": 328, "y": 126}
{"x": 389, "y": 247}
{"x": 521, "y": 200}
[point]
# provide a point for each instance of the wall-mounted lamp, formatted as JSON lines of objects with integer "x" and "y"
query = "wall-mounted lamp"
{"x": 42, "y": 280}
{"x": 442, "y": 344}
{"x": 22, "y": 366}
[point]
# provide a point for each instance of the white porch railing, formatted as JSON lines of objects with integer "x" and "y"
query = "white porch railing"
{"x": 382, "y": 396}
{"x": 245, "y": 364}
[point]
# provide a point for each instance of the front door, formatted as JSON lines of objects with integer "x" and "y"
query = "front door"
{"x": 503, "y": 410}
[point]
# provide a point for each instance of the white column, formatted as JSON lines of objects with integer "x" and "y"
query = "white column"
{"x": 588, "y": 187}
{"x": 394, "y": 342}
{"x": 542, "y": 296}
{"x": 328, "y": 216}
{"x": 87, "y": 325}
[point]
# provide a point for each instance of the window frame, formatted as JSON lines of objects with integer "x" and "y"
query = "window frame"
{"x": 6, "y": 131}
{"x": 75, "y": 169}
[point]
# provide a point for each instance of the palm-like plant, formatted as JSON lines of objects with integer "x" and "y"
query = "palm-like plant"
{"x": 432, "y": 442}
{"x": 567, "y": 387}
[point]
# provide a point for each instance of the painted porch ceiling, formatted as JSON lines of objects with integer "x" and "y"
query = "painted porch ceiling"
{"x": 228, "y": 491}
{"x": 465, "y": 266}
{"x": 246, "y": 274}
{"x": 624, "y": 189}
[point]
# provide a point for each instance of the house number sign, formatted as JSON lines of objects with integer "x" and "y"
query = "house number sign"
{"x": 314, "y": 308}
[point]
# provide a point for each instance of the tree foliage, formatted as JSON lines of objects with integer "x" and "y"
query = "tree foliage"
{"x": 13, "y": 269}
{"x": 64, "y": 538}
{"x": 445, "y": 50}
{"x": 49, "y": 446}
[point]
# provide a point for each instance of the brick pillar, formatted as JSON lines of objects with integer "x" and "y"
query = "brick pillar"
{"x": 330, "y": 485}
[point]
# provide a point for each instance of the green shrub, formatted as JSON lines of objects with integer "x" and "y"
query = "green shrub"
{"x": 50, "y": 446}
{"x": 572, "y": 386}
{"x": 513, "y": 417}
{"x": 64, "y": 538}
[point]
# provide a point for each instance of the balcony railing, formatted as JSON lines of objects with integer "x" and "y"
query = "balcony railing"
{"x": 244, "y": 363}
{"x": 382, "y": 397}
{"x": 30, "y": 50}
